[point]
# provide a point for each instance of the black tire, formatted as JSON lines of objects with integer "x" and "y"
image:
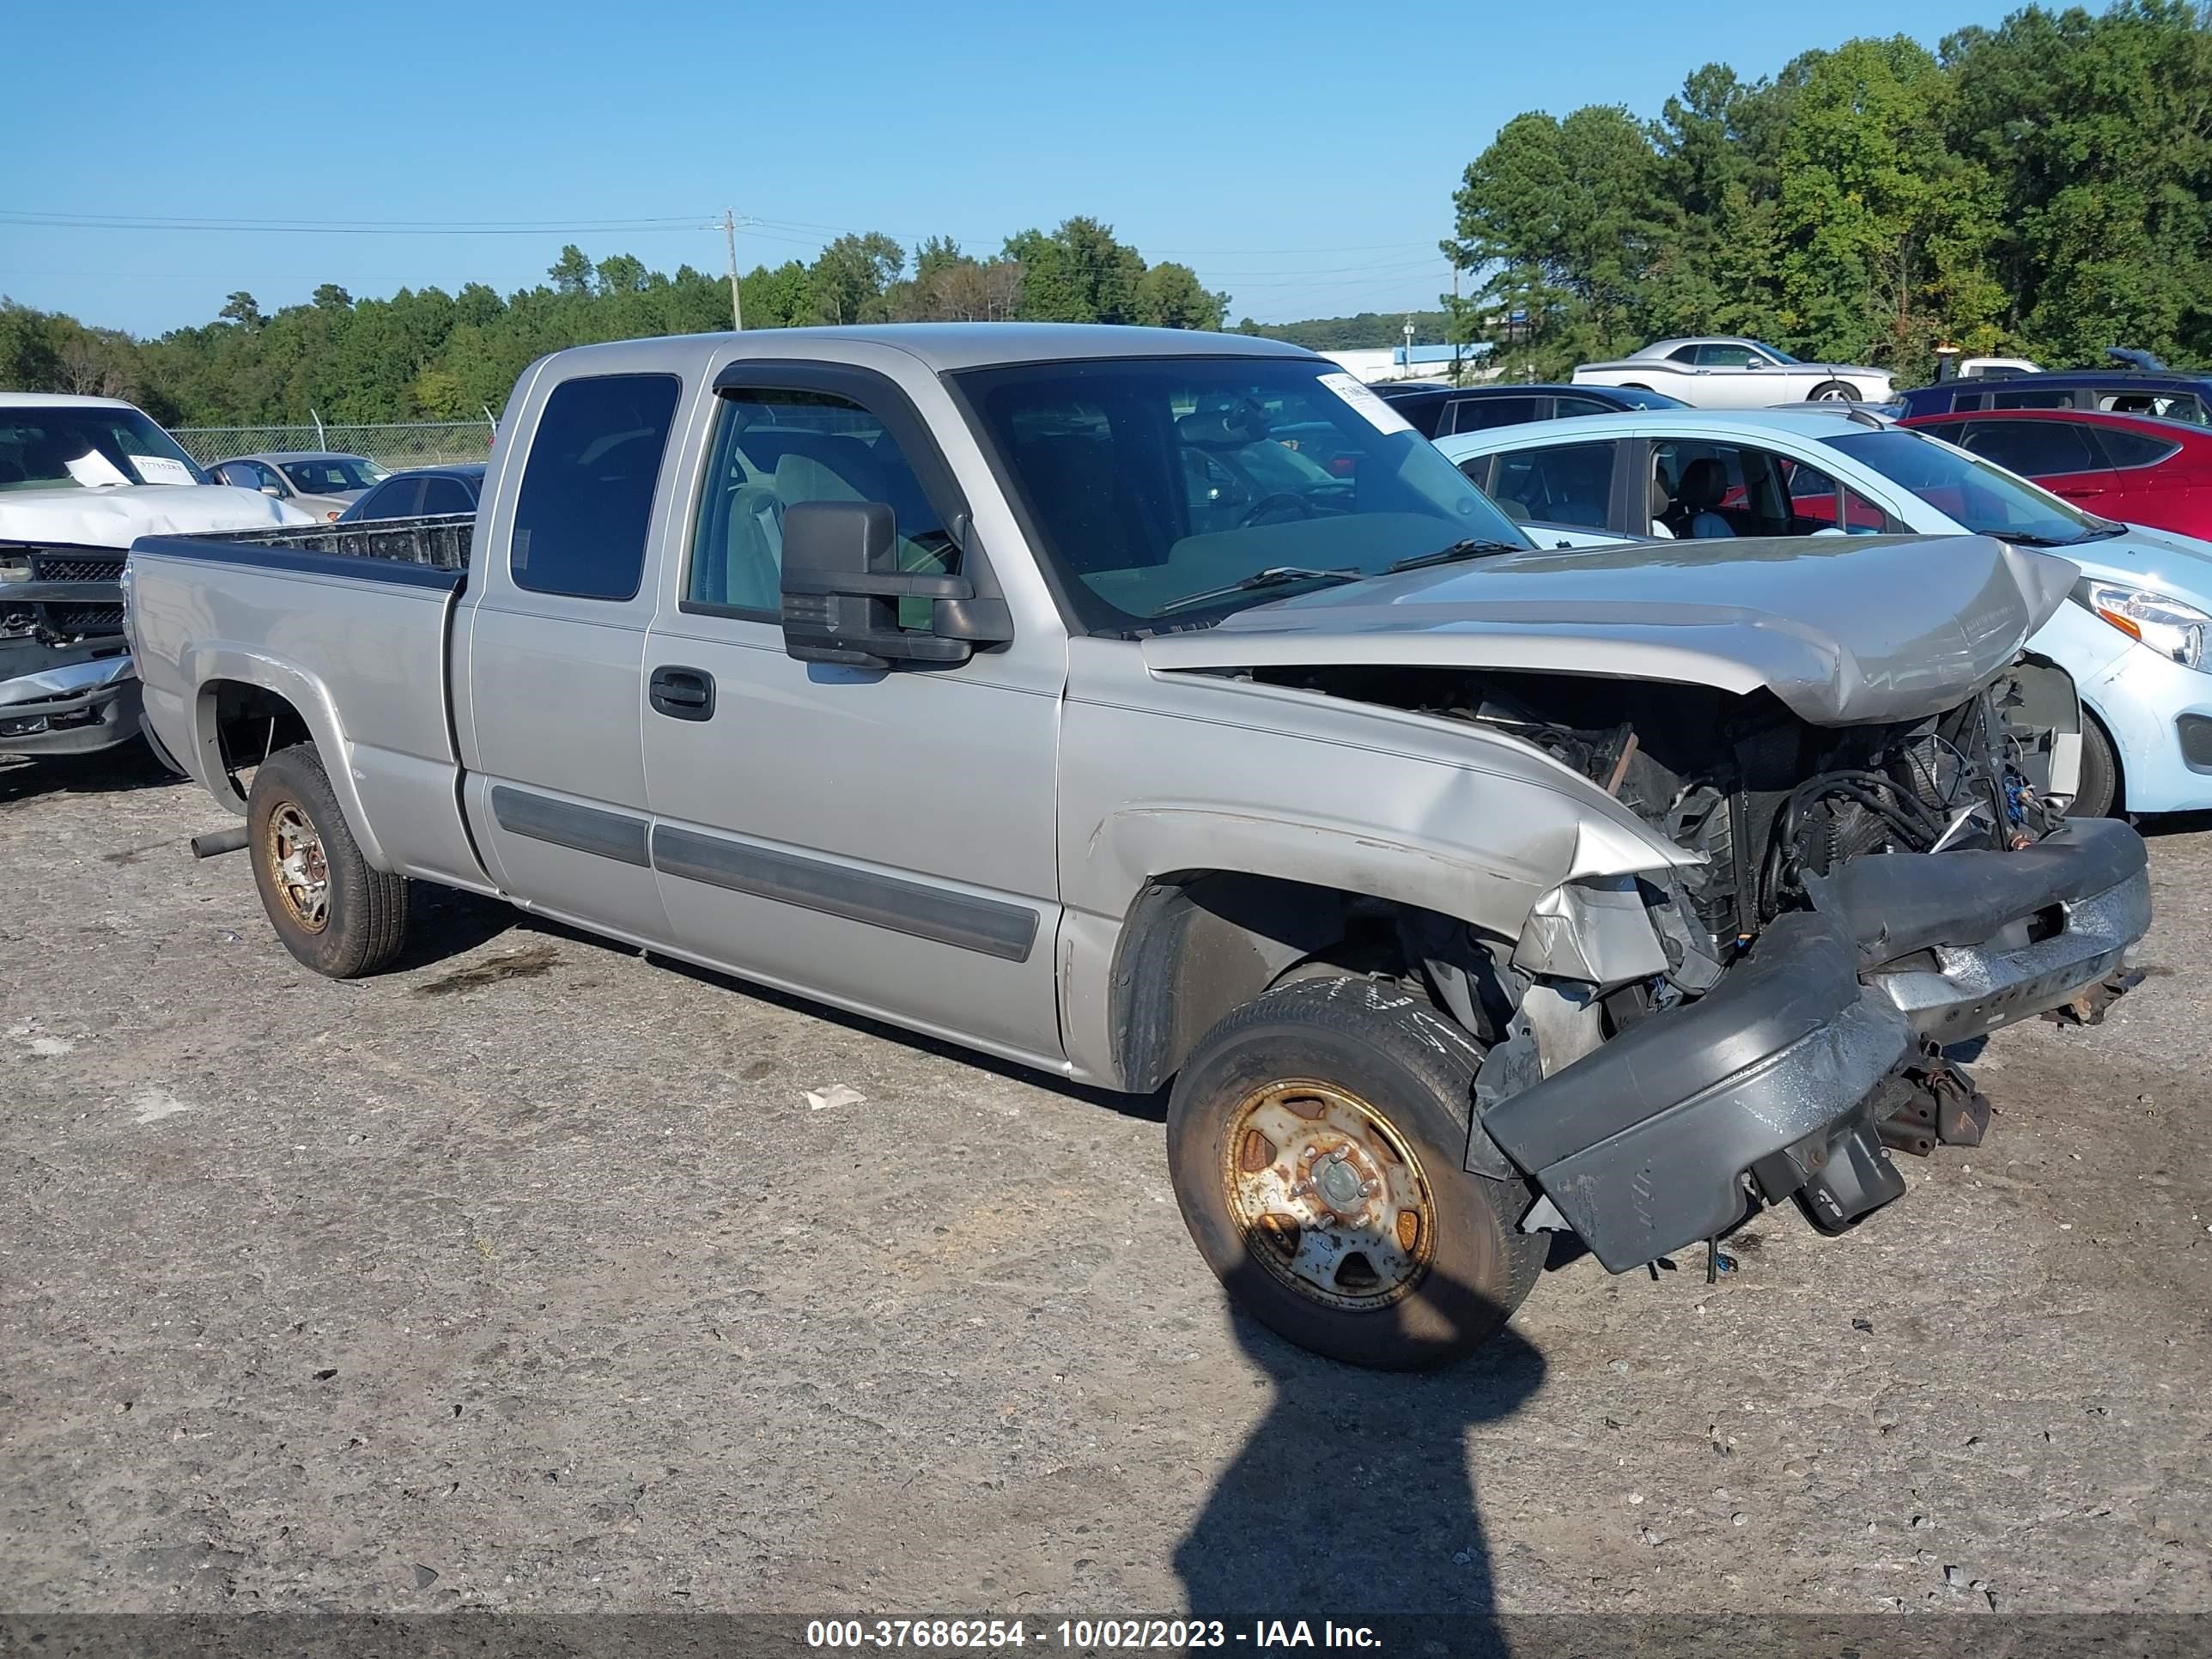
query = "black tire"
{"x": 2099, "y": 796}
{"x": 1412, "y": 1070}
{"x": 361, "y": 921}
{"x": 1833, "y": 392}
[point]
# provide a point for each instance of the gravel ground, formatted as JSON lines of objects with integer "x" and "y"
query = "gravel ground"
{"x": 526, "y": 1277}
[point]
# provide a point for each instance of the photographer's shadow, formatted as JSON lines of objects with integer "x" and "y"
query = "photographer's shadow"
{"x": 1354, "y": 1496}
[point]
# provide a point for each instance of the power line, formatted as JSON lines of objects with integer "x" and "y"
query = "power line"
{"x": 345, "y": 227}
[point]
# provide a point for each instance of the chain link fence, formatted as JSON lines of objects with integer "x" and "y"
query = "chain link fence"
{"x": 395, "y": 446}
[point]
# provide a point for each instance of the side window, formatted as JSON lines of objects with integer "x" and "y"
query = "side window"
{"x": 2031, "y": 398}
{"x": 2127, "y": 449}
{"x": 775, "y": 449}
{"x": 1712, "y": 489}
{"x": 1430, "y": 416}
{"x": 2034, "y": 449}
{"x": 1480, "y": 414}
{"x": 1688, "y": 353}
{"x": 1569, "y": 484}
{"x": 1563, "y": 407}
{"x": 1818, "y": 503}
{"x": 1477, "y": 470}
{"x": 2165, "y": 405}
{"x": 394, "y": 499}
{"x": 1716, "y": 355}
{"x": 446, "y": 495}
{"x": 586, "y": 497}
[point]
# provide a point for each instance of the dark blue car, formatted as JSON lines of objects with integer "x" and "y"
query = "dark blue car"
{"x": 2134, "y": 384}
{"x": 1438, "y": 411}
{"x": 420, "y": 492}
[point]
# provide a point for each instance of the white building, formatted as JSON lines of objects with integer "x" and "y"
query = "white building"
{"x": 1422, "y": 362}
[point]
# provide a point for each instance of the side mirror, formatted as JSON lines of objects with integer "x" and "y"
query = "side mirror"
{"x": 272, "y": 491}
{"x": 841, "y": 588}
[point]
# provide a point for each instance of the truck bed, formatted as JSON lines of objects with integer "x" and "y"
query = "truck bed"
{"x": 442, "y": 541}
{"x": 350, "y": 625}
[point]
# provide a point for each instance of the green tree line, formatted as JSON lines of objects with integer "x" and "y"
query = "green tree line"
{"x": 1365, "y": 330}
{"x": 427, "y": 355}
{"x": 2042, "y": 188}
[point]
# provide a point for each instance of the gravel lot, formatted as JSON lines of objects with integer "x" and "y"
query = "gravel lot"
{"x": 527, "y": 1277}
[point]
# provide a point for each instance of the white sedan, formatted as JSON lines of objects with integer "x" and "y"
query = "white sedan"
{"x": 1724, "y": 372}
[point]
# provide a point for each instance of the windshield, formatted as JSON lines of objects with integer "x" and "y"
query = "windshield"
{"x": 1636, "y": 397}
{"x": 1775, "y": 352}
{"x": 1985, "y": 499}
{"x": 332, "y": 475}
{"x": 1152, "y": 482}
{"x": 82, "y": 447}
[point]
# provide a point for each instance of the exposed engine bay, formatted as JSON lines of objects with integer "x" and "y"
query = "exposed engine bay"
{"x": 1768, "y": 798}
{"x": 1799, "y": 1031}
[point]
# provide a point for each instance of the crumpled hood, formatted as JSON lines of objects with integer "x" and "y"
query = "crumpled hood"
{"x": 1844, "y": 629}
{"x": 117, "y": 514}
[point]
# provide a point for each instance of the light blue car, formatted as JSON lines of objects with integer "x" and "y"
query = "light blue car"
{"x": 2137, "y": 638}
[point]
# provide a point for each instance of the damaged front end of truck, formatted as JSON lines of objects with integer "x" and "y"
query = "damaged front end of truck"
{"x": 1858, "y": 861}
{"x": 1867, "y": 899}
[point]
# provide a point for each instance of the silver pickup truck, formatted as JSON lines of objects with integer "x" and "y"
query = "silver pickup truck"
{"x": 1158, "y": 708}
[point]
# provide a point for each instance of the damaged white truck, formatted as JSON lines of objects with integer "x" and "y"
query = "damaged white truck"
{"x": 1158, "y": 708}
{"x": 81, "y": 478}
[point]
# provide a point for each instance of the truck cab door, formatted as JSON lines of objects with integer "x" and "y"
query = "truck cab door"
{"x": 553, "y": 658}
{"x": 881, "y": 839}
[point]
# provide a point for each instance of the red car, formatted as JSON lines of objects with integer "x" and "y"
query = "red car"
{"x": 2134, "y": 468}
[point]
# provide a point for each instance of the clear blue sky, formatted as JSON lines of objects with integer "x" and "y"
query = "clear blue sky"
{"x": 1301, "y": 155}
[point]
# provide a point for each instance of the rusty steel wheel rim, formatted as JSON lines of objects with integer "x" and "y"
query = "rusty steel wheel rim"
{"x": 1330, "y": 1198}
{"x": 298, "y": 868}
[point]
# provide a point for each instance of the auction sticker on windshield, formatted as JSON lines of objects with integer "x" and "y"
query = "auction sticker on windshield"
{"x": 160, "y": 469}
{"x": 1378, "y": 414}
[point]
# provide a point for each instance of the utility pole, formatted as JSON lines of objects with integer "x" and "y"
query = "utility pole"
{"x": 736, "y": 305}
{"x": 1459, "y": 324}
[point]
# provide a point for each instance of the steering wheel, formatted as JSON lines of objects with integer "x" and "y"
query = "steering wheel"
{"x": 1268, "y": 503}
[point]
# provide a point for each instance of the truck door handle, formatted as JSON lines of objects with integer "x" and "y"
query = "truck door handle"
{"x": 683, "y": 694}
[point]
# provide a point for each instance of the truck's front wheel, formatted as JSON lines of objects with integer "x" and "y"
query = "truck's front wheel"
{"x": 332, "y": 910}
{"x": 1314, "y": 1140}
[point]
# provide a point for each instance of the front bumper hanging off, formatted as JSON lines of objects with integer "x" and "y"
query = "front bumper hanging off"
{"x": 73, "y": 709}
{"x": 1784, "y": 1077}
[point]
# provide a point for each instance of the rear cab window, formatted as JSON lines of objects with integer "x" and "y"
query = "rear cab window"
{"x": 585, "y": 501}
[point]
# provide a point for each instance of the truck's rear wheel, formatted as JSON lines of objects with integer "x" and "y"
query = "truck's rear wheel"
{"x": 1315, "y": 1141}
{"x": 331, "y": 908}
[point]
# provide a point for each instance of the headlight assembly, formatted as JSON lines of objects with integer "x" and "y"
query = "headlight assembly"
{"x": 2174, "y": 630}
